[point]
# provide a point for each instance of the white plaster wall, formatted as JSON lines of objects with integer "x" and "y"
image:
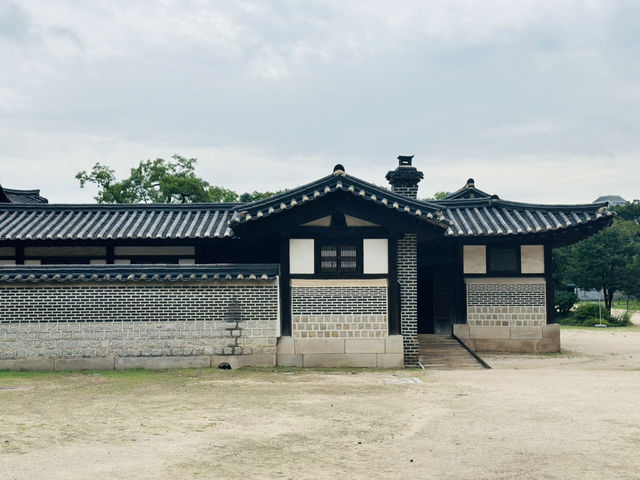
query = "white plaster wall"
{"x": 301, "y": 256}
{"x": 319, "y": 222}
{"x": 358, "y": 222}
{"x": 375, "y": 253}
{"x": 475, "y": 258}
{"x": 532, "y": 258}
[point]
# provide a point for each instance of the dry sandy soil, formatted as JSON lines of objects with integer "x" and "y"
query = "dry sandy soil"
{"x": 571, "y": 415}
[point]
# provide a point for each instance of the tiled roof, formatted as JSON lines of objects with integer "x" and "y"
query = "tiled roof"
{"x": 612, "y": 200}
{"x": 339, "y": 181}
{"x": 136, "y": 273}
{"x": 466, "y": 212}
{"x": 468, "y": 191}
{"x": 476, "y": 213}
{"x": 102, "y": 222}
{"x": 10, "y": 195}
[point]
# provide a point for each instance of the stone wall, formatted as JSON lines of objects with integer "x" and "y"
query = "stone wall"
{"x": 340, "y": 323}
{"x": 339, "y": 308}
{"x": 506, "y": 302}
{"x": 508, "y": 315}
{"x": 99, "y": 321}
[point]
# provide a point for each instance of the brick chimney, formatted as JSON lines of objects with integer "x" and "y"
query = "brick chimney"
{"x": 405, "y": 178}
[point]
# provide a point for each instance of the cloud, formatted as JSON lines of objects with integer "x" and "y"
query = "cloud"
{"x": 269, "y": 93}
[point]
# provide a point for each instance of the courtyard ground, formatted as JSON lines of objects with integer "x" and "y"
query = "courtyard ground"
{"x": 559, "y": 416}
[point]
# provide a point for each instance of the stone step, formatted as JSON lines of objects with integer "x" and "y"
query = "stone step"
{"x": 445, "y": 353}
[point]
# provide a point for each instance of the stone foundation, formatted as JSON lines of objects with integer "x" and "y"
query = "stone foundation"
{"x": 515, "y": 339}
{"x": 383, "y": 352}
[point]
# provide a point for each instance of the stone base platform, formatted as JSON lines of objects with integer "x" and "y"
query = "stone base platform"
{"x": 125, "y": 363}
{"x": 382, "y": 352}
{"x": 542, "y": 339}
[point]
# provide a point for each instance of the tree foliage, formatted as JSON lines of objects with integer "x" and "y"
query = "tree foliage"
{"x": 160, "y": 181}
{"x": 436, "y": 196}
{"x": 604, "y": 261}
{"x": 629, "y": 212}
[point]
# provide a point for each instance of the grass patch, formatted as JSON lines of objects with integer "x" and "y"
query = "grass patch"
{"x": 627, "y": 305}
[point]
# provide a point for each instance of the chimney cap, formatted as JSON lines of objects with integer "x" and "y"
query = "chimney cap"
{"x": 405, "y": 160}
{"x": 405, "y": 174}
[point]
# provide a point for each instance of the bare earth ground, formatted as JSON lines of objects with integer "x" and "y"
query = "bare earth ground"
{"x": 572, "y": 415}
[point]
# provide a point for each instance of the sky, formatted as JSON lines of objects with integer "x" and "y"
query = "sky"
{"x": 538, "y": 101}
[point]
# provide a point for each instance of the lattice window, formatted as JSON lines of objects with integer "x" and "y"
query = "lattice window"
{"x": 339, "y": 259}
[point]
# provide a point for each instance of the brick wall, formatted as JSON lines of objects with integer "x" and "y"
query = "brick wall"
{"x": 408, "y": 279}
{"x": 407, "y": 191}
{"x": 97, "y": 320}
{"x": 506, "y": 303}
{"x": 339, "y": 311}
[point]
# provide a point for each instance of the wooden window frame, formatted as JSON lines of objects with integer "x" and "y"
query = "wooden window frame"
{"x": 339, "y": 242}
{"x": 490, "y": 251}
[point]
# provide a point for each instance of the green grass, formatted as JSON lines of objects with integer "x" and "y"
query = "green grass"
{"x": 632, "y": 305}
{"x": 169, "y": 376}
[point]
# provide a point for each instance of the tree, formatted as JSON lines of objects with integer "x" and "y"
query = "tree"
{"x": 630, "y": 211}
{"x": 160, "y": 181}
{"x": 255, "y": 196}
{"x": 603, "y": 261}
{"x": 631, "y": 283}
{"x": 436, "y": 196}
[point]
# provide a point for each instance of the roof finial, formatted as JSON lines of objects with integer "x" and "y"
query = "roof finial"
{"x": 470, "y": 183}
{"x": 338, "y": 170}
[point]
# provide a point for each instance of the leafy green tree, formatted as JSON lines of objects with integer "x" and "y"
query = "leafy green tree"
{"x": 629, "y": 212}
{"x": 436, "y": 196}
{"x": 255, "y": 196}
{"x": 602, "y": 261}
{"x": 160, "y": 181}
{"x": 631, "y": 283}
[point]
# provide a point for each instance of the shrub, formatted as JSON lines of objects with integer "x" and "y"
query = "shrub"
{"x": 587, "y": 311}
{"x": 623, "y": 321}
{"x": 565, "y": 301}
{"x": 567, "y": 319}
{"x": 592, "y": 322}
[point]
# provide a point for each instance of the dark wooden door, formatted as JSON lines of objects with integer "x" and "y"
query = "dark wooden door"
{"x": 425, "y": 300}
{"x": 442, "y": 302}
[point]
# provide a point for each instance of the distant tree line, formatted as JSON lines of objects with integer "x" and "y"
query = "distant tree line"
{"x": 608, "y": 261}
{"x": 161, "y": 181}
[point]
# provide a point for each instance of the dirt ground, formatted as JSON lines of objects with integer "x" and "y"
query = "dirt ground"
{"x": 570, "y": 415}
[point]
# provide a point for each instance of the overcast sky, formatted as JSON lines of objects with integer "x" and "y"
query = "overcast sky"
{"x": 538, "y": 101}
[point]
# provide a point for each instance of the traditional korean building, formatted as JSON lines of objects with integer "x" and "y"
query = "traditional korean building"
{"x": 337, "y": 272}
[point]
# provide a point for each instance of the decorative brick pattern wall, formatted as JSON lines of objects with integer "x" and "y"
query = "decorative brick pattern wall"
{"x": 340, "y": 326}
{"x": 339, "y": 311}
{"x": 408, "y": 279}
{"x": 506, "y": 304}
{"x": 339, "y": 300}
{"x": 158, "y": 320}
